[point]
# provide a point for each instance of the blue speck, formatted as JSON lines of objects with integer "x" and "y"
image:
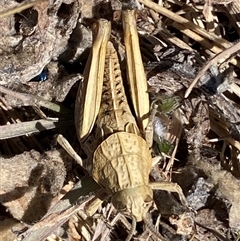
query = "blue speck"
{"x": 42, "y": 76}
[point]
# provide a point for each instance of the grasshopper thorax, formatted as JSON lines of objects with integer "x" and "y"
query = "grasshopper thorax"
{"x": 134, "y": 202}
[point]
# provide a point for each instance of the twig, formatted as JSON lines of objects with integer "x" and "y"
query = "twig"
{"x": 188, "y": 24}
{"x": 20, "y": 8}
{"x": 35, "y": 100}
{"x": 63, "y": 209}
{"x": 213, "y": 61}
{"x": 29, "y": 127}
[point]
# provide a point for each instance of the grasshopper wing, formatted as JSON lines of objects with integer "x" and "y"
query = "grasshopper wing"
{"x": 90, "y": 90}
{"x": 135, "y": 71}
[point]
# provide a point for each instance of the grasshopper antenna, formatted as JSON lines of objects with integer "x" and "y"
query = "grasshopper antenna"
{"x": 133, "y": 228}
{"x": 153, "y": 230}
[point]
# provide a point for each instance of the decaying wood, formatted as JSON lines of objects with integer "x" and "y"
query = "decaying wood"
{"x": 23, "y": 54}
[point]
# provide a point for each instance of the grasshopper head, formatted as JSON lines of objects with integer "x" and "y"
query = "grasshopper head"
{"x": 133, "y": 202}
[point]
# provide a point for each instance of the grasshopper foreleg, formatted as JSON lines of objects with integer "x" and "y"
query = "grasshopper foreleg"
{"x": 170, "y": 187}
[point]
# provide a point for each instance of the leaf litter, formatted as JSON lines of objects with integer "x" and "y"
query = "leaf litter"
{"x": 177, "y": 39}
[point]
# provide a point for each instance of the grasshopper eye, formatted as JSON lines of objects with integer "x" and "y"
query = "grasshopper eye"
{"x": 121, "y": 208}
{"x": 147, "y": 204}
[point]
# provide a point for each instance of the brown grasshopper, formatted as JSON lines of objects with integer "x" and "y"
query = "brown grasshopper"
{"x": 111, "y": 136}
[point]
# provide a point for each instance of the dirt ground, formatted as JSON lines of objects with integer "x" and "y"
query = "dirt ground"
{"x": 43, "y": 52}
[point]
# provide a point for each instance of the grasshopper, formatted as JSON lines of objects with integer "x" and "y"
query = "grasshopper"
{"x": 112, "y": 136}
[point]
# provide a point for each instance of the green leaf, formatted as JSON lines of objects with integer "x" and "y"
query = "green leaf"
{"x": 167, "y": 104}
{"x": 164, "y": 146}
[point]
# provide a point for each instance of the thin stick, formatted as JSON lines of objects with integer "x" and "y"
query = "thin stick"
{"x": 178, "y": 135}
{"x": 213, "y": 61}
{"x": 25, "y": 128}
{"x": 34, "y": 100}
{"x": 20, "y": 8}
{"x": 188, "y": 24}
